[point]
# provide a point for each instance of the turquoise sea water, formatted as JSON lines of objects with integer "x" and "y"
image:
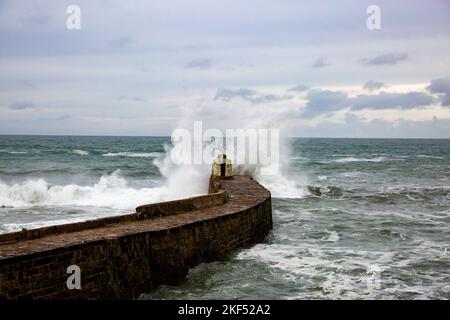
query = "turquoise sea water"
{"x": 360, "y": 218}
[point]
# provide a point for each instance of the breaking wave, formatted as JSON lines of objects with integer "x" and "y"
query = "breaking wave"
{"x": 111, "y": 191}
{"x": 80, "y": 152}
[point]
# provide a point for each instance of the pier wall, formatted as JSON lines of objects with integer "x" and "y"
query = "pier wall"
{"x": 122, "y": 257}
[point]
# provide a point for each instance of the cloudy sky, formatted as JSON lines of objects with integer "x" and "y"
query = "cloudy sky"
{"x": 311, "y": 68}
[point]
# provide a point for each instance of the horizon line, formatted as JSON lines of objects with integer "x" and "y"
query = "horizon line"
{"x": 168, "y": 136}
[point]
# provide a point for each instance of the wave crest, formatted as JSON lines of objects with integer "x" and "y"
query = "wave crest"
{"x": 111, "y": 191}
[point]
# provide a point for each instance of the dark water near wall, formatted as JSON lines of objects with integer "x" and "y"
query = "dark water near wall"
{"x": 368, "y": 218}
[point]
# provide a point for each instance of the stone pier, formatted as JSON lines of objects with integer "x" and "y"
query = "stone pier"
{"x": 121, "y": 257}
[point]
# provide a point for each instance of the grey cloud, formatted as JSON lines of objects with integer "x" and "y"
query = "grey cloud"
{"x": 354, "y": 126}
{"x": 320, "y": 63}
{"x": 268, "y": 98}
{"x": 249, "y": 95}
{"x": 132, "y": 99}
{"x": 324, "y": 101}
{"x": 299, "y": 88}
{"x": 199, "y": 64}
{"x": 51, "y": 119}
{"x": 385, "y": 100}
{"x": 230, "y": 94}
{"x": 372, "y": 85}
{"x": 21, "y": 105}
{"x": 385, "y": 59}
{"x": 121, "y": 42}
{"x": 441, "y": 86}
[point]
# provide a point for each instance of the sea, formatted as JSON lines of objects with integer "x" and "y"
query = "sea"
{"x": 353, "y": 218}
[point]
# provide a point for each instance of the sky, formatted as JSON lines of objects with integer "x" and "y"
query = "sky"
{"x": 309, "y": 68}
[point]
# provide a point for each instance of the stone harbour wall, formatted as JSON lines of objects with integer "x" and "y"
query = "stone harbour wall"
{"x": 122, "y": 257}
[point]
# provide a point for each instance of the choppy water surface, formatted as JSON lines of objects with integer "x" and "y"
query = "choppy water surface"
{"x": 353, "y": 218}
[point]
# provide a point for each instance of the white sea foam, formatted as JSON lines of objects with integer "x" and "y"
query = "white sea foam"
{"x": 351, "y": 174}
{"x": 427, "y": 156}
{"x": 11, "y": 227}
{"x": 283, "y": 257}
{"x": 353, "y": 159}
{"x": 333, "y": 236}
{"x": 111, "y": 191}
{"x": 12, "y": 152}
{"x": 80, "y": 152}
{"x": 336, "y": 278}
{"x": 282, "y": 187}
{"x": 133, "y": 154}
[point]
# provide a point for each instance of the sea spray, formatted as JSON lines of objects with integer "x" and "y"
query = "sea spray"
{"x": 185, "y": 177}
{"x": 182, "y": 179}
